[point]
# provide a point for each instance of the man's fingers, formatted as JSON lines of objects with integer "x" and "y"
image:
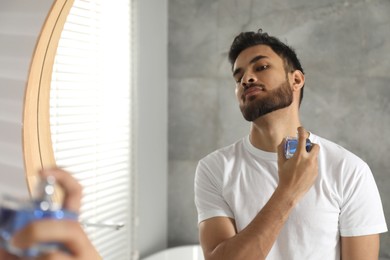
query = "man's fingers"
{"x": 315, "y": 149}
{"x": 301, "y": 140}
{"x": 6, "y": 256}
{"x": 67, "y": 232}
{"x": 55, "y": 256}
{"x": 72, "y": 189}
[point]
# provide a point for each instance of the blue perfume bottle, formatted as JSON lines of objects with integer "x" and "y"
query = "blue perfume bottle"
{"x": 291, "y": 144}
{"x": 17, "y": 213}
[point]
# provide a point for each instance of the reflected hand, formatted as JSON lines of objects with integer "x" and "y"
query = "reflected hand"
{"x": 67, "y": 232}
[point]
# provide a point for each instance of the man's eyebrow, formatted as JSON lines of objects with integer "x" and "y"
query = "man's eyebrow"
{"x": 259, "y": 57}
{"x": 255, "y": 59}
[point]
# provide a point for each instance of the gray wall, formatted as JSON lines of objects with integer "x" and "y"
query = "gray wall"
{"x": 344, "y": 47}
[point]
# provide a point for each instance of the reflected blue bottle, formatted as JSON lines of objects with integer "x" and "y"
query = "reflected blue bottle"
{"x": 15, "y": 214}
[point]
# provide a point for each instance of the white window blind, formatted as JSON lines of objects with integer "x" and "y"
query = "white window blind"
{"x": 90, "y": 120}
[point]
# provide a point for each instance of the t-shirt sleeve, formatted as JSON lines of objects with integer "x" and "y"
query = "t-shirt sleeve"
{"x": 361, "y": 210}
{"x": 209, "y": 199}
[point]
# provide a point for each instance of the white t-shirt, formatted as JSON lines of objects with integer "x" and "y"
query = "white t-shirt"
{"x": 238, "y": 180}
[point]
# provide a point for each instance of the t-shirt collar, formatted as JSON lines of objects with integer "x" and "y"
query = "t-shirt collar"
{"x": 263, "y": 154}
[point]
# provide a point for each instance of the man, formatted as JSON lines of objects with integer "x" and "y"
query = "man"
{"x": 253, "y": 203}
{"x": 67, "y": 232}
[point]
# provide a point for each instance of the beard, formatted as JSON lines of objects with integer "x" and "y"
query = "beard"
{"x": 278, "y": 98}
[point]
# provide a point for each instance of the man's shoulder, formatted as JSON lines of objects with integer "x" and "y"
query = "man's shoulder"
{"x": 335, "y": 153}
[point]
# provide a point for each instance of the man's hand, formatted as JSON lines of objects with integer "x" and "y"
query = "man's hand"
{"x": 67, "y": 232}
{"x": 297, "y": 174}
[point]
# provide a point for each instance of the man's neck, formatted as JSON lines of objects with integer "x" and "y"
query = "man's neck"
{"x": 268, "y": 131}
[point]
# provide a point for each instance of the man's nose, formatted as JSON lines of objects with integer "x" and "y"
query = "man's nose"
{"x": 248, "y": 79}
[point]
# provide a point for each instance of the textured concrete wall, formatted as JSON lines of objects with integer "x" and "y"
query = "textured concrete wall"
{"x": 344, "y": 47}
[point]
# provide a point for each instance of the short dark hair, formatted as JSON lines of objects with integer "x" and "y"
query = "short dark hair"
{"x": 248, "y": 39}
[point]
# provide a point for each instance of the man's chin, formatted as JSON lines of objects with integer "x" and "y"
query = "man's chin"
{"x": 250, "y": 117}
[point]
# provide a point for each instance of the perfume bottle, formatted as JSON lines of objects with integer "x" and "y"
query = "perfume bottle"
{"x": 17, "y": 213}
{"x": 291, "y": 145}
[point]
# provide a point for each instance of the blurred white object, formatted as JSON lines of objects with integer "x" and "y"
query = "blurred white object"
{"x": 191, "y": 252}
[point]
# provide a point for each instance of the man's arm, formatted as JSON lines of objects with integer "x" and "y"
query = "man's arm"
{"x": 360, "y": 247}
{"x": 220, "y": 240}
{"x": 218, "y": 235}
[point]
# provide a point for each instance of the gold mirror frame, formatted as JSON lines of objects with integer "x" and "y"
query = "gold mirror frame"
{"x": 37, "y": 145}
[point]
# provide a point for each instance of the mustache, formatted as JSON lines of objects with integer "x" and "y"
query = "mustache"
{"x": 250, "y": 86}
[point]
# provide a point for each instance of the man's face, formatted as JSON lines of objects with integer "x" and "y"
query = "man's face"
{"x": 262, "y": 84}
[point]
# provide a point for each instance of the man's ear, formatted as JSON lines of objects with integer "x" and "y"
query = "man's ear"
{"x": 298, "y": 80}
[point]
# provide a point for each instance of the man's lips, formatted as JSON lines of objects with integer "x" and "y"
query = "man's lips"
{"x": 253, "y": 90}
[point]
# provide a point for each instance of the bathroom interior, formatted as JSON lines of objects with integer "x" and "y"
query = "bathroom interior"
{"x": 181, "y": 104}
